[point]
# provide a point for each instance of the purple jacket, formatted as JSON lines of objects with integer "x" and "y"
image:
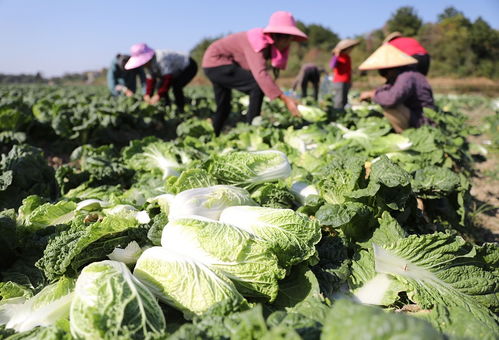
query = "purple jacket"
{"x": 411, "y": 89}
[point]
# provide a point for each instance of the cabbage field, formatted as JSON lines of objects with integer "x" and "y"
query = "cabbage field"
{"x": 120, "y": 220}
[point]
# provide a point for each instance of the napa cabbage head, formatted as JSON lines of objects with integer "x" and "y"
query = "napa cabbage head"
{"x": 46, "y": 308}
{"x": 35, "y": 214}
{"x": 302, "y": 190}
{"x": 128, "y": 255}
{"x": 392, "y": 142}
{"x": 109, "y": 302}
{"x": 312, "y": 114}
{"x": 248, "y": 261}
{"x": 157, "y": 156}
{"x": 208, "y": 202}
{"x": 163, "y": 201}
{"x": 306, "y": 138}
{"x": 128, "y": 211}
{"x": 244, "y": 168}
{"x": 185, "y": 283}
{"x": 292, "y": 236}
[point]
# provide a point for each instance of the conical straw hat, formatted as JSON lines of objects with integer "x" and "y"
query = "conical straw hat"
{"x": 345, "y": 43}
{"x": 386, "y": 56}
{"x": 392, "y": 36}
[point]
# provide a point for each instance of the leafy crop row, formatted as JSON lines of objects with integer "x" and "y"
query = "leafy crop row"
{"x": 335, "y": 229}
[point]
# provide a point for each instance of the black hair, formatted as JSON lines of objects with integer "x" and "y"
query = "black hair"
{"x": 122, "y": 59}
{"x": 277, "y": 36}
{"x": 399, "y": 69}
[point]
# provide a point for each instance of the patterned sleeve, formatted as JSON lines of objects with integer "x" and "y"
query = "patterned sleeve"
{"x": 171, "y": 62}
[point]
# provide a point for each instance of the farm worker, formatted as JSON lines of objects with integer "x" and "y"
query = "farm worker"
{"x": 406, "y": 91}
{"x": 242, "y": 60}
{"x": 121, "y": 81}
{"x": 341, "y": 65}
{"x": 163, "y": 69}
{"x": 309, "y": 73}
{"x": 411, "y": 47}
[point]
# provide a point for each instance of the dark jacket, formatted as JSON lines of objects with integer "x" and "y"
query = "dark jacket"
{"x": 411, "y": 89}
{"x": 117, "y": 75}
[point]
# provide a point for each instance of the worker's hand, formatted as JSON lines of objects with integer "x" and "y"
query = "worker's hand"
{"x": 147, "y": 98}
{"x": 291, "y": 104}
{"x": 367, "y": 95}
{"x": 154, "y": 99}
{"x": 128, "y": 93}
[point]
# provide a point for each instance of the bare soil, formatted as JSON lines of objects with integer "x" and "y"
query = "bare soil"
{"x": 479, "y": 86}
{"x": 485, "y": 183}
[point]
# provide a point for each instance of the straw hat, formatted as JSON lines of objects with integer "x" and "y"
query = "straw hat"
{"x": 284, "y": 23}
{"x": 344, "y": 44}
{"x": 386, "y": 56}
{"x": 141, "y": 54}
{"x": 392, "y": 36}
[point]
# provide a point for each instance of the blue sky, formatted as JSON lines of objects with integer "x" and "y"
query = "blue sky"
{"x": 59, "y": 36}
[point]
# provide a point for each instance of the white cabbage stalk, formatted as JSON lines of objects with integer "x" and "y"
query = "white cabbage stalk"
{"x": 23, "y": 317}
{"x": 404, "y": 145}
{"x": 129, "y": 255}
{"x": 302, "y": 190}
{"x": 124, "y": 209}
{"x": 167, "y": 165}
{"x": 357, "y": 106}
{"x": 208, "y": 202}
{"x": 306, "y": 138}
{"x": 374, "y": 291}
{"x": 340, "y": 126}
{"x": 389, "y": 155}
{"x": 279, "y": 171}
{"x": 91, "y": 204}
{"x": 351, "y": 134}
{"x": 244, "y": 100}
{"x": 312, "y": 114}
{"x": 356, "y": 134}
{"x": 391, "y": 142}
{"x": 51, "y": 304}
{"x": 164, "y": 201}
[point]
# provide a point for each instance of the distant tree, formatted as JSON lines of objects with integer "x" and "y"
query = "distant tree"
{"x": 319, "y": 36}
{"x": 405, "y": 20}
{"x": 449, "y": 12}
{"x": 452, "y": 47}
{"x": 39, "y": 77}
{"x": 484, "y": 40}
{"x": 198, "y": 50}
{"x": 428, "y": 35}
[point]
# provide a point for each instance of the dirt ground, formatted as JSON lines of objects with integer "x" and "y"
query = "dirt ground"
{"x": 485, "y": 183}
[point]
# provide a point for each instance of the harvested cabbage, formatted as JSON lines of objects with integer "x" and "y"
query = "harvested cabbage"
{"x": 110, "y": 303}
{"x": 185, "y": 283}
{"x": 208, "y": 202}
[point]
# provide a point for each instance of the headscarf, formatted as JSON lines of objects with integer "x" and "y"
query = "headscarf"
{"x": 259, "y": 41}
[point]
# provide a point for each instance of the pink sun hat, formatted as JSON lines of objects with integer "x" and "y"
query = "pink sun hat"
{"x": 284, "y": 23}
{"x": 141, "y": 54}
